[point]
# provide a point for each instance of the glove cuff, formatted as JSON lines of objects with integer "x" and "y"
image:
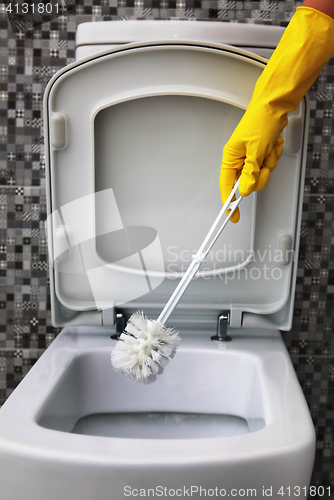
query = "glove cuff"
{"x": 304, "y": 49}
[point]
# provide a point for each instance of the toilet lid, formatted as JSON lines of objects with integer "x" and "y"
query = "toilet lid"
{"x": 134, "y": 139}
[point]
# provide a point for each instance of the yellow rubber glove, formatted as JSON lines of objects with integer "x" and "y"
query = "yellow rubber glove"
{"x": 256, "y": 145}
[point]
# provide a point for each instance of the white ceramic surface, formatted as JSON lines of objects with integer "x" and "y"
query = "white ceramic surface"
{"x": 252, "y": 379}
{"x": 92, "y": 38}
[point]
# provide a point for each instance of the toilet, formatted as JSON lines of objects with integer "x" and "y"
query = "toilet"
{"x": 134, "y": 132}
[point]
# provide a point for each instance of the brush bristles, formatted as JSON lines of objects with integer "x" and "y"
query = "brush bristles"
{"x": 144, "y": 349}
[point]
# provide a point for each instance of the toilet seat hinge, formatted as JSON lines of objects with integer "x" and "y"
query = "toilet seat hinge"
{"x": 109, "y": 316}
{"x": 223, "y": 322}
{"x": 120, "y": 325}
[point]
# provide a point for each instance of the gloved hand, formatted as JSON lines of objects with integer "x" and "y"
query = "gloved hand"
{"x": 256, "y": 145}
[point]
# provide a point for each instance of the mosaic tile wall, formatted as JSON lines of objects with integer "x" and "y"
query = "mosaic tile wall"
{"x": 28, "y": 60}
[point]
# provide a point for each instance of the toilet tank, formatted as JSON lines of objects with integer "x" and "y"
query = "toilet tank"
{"x": 93, "y": 38}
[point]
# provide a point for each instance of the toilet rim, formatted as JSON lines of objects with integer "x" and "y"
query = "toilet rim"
{"x": 19, "y": 431}
{"x": 56, "y": 445}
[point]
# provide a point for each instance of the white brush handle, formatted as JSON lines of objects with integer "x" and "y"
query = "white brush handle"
{"x": 201, "y": 254}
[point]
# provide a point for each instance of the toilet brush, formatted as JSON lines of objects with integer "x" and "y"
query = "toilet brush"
{"x": 146, "y": 346}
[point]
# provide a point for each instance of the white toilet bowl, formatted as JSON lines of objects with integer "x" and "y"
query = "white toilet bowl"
{"x": 226, "y": 417}
{"x": 134, "y": 136}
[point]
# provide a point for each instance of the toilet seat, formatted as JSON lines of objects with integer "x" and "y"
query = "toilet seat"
{"x": 117, "y": 87}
